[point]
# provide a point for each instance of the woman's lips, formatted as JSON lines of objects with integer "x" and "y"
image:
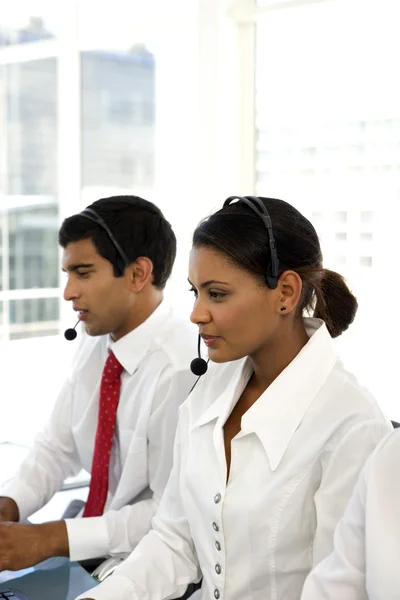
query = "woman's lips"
{"x": 209, "y": 340}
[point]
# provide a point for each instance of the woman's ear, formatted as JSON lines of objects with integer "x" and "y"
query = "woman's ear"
{"x": 139, "y": 273}
{"x": 290, "y": 287}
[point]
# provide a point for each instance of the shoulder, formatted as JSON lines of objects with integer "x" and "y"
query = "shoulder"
{"x": 345, "y": 396}
{"x": 345, "y": 415}
{"x": 387, "y": 454}
{"x": 379, "y": 477}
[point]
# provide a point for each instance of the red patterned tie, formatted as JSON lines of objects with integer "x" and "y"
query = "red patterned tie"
{"x": 109, "y": 395}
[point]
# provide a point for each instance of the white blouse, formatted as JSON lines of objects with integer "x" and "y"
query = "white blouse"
{"x": 365, "y": 564}
{"x": 293, "y": 467}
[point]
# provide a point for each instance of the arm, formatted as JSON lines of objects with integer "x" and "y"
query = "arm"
{"x": 23, "y": 544}
{"x": 342, "y": 574}
{"x": 8, "y": 509}
{"x": 340, "y": 475}
{"x": 52, "y": 458}
{"x": 165, "y": 561}
{"x": 118, "y": 532}
{"x": 365, "y": 561}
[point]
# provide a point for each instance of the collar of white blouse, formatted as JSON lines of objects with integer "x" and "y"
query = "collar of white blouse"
{"x": 279, "y": 411}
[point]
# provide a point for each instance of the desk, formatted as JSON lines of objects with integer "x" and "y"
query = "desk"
{"x": 53, "y": 579}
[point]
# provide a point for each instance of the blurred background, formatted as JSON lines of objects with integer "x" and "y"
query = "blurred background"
{"x": 186, "y": 102}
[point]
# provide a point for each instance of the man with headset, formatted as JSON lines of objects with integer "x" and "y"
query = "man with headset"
{"x": 117, "y": 411}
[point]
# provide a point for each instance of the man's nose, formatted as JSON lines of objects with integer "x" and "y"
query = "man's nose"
{"x": 71, "y": 290}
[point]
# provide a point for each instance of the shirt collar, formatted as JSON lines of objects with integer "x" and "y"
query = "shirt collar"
{"x": 279, "y": 411}
{"x": 224, "y": 403}
{"x": 132, "y": 347}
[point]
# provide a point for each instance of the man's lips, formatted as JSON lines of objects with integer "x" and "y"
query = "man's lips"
{"x": 82, "y": 314}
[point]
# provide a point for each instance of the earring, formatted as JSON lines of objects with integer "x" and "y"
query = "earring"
{"x": 283, "y": 308}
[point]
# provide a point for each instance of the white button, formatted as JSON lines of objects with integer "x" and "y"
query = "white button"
{"x": 218, "y": 546}
{"x": 218, "y": 569}
{"x": 216, "y": 594}
{"x": 215, "y": 526}
{"x": 217, "y": 498}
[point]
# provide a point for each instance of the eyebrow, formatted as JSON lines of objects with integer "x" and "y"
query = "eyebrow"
{"x": 210, "y": 282}
{"x": 72, "y": 268}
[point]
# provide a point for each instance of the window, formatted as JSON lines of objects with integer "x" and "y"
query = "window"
{"x": 345, "y": 136}
{"x": 366, "y": 237}
{"x": 28, "y": 197}
{"x": 34, "y": 317}
{"x": 81, "y": 117}
{"x": 365, "y": 261}
{"x": 317, "y": 216}
{"x": 87, "y": 102}
{"x": 341, "y": 260}
{"x": 118, "y": 98}
{"x": 340, "y": 217}
{"x": 366, "y": 216}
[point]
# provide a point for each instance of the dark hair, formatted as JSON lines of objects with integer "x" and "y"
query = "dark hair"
{"x": 239, "y": 233}
{"x": 139, "y": 227}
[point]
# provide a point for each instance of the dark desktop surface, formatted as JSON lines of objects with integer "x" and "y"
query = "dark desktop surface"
{"x": 54, "y": 579}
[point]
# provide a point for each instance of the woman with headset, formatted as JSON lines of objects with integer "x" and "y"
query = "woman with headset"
{"x": 272, "y": 439}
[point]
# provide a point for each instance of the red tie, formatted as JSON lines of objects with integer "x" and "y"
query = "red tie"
{"x": 109, "y": 395}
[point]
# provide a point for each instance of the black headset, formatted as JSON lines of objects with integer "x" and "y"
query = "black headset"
{"x": 260, "y": 209}
{"x": 199, "y": 366}
{"x": 90, "y": 214}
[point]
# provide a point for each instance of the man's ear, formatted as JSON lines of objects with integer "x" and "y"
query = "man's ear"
{"x": 139, "y": 273}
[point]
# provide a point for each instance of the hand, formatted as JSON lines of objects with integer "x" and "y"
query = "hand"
{"x": 8, "y": 509}
{"x": 23, "y": 544}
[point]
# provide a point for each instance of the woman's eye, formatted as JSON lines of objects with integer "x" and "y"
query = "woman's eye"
{"x": 216, "y": 295}
{"x": 192, "y": 289}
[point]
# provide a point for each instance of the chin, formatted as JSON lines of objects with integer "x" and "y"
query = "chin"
{"x": 223, "y": 357}
{"x": 93, "y": 331}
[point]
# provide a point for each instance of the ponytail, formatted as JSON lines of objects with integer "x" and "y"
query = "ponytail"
{"x": 335, "y": 303}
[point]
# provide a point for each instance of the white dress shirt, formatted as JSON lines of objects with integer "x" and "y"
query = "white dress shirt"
{"x": 365, "y": 564}
{"x": 293, "y": 467}
{"x": 156, "y": 380}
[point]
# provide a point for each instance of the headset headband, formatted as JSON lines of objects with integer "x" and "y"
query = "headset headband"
{"x": 90, "y": 214}
{"x": 260, "y": 209}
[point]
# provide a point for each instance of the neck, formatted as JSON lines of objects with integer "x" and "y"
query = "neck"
{"x": 269, "y": 362}
{"x": 144, "y": 306}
